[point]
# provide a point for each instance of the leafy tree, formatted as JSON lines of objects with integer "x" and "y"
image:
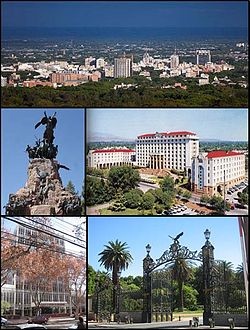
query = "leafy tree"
{"x": 187, "y": 194}
{"x": 71, "y": 188}
{"x": 218, "y": 203}
{"x": 159, "y": 208}
{"x": 148, "y": 200}
{"x": 5, "y": 305}
{"x": 98, "y": 191}
{"x": 205, "y": 199}
{"x": 73, "y": 273}
{"x": 167, "y": 185}
{"x": 119, "y": 203}
{"x": 197, "y": 283}
{"x": 190, "y": 297}
{"x": 124, "y": 177}
{"x": 133, "y": 198}
{"x": 243, "y": 198}
{"x": 163, "y": 198}
{"x": 91, "y": 280}
{"x": 115, "y": 257}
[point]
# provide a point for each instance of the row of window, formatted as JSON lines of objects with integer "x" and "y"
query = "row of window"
{"x": 226, "y": 159}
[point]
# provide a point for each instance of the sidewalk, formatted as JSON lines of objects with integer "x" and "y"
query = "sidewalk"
{"x": 176, "y": 324}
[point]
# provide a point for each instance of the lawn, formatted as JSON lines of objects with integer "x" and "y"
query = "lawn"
{"x": 128, "y": 211}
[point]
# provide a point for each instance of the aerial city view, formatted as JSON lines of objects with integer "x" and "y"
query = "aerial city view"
{"x": 124, "y": 164}
{"x": 186, "y": 62}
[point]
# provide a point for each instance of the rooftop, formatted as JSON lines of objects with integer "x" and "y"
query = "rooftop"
{"x": 167, "y": 134}
{"x": 222, "y": 153}
{"x": 112, "y": 150}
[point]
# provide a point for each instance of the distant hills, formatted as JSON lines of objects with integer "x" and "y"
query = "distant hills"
{"x": 104, "y": 137}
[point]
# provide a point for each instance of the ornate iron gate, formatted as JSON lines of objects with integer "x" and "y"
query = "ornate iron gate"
{"x": 162, "y": 295}
{"x": 175, "y": 252}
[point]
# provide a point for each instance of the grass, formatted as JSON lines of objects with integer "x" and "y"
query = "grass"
{"x": 127, "y": 212}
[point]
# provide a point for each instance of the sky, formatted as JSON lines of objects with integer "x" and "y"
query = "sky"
{"x": 17, "y": 127}
{"x": 124, "y": 14}
{"x": 66, "y": 225}
{"x": 223, "y": 124}
{"x": 137, "y": 232}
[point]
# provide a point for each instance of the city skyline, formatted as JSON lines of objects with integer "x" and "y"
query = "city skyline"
{"x": 225, "y": 237}
{"x": 221, "y": 124}
{"x": 125, "y": 14}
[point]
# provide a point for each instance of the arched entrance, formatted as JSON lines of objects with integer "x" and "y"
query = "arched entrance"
{"x": 162, "y": 311}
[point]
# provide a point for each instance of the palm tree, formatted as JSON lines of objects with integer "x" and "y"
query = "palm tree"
{"x": 240, "y": 276}
{"x": 225, "y": 269}
{"x": 115, "y": 257}
{"x": 181, "y": 272}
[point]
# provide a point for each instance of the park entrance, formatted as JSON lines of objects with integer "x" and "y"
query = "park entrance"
{"x": 153, "y": 302}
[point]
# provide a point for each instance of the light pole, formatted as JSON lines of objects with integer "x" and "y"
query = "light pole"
{"x": 118, "y": 287}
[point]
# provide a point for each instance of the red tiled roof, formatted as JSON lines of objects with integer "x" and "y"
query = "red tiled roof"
{"x": 222, "y": 153}
{"x": 146, "y": 135}
{"x": 168, "y": 134}
{"x": 112, "y": 150}
{"x": 180, "y": 133}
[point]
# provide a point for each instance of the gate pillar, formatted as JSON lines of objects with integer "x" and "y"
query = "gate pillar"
{"x": 147, "y": 287}
{"x": 208, "y": 261}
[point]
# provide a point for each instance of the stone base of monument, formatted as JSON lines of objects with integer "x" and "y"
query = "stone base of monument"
{"x": 43, "y": 193}
{"x": 42, "y": 210}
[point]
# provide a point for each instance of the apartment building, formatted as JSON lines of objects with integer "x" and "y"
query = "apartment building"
{"x": 212, "y": 170}
{"x": 169, "y": 150}
{"x": 122, "y": 67}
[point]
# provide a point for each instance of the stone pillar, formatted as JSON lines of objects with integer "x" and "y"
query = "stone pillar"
{"x": 147, "y": 289}
{"x": 208, "y": 261}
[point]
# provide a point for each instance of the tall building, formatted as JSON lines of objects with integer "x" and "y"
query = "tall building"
{"x": 173, "y": 150}
{"x": 214, "y": 171}
{"x": 17, "y": 292}
{"x": 122, "y": 67}
{"x": 174, "y": 61}
{"x": 106, "y": 158}
{"x": 100, "y": 63}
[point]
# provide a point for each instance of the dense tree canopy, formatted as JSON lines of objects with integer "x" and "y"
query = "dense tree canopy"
{"x": 124, "y": 177}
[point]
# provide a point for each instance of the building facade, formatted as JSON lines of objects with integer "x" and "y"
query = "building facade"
{"x": 17, "y": 292}
{"x": 216, "y": 171}
{"x": 106, "y": 158}
{"x": 122, "y": 67}
{"x": 174, "y": 61}
{"x": 173, "y": 150}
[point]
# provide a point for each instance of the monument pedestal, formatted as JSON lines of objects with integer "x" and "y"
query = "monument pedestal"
{"x": 43, "y": 193}
{"x": 42, "y": 210}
